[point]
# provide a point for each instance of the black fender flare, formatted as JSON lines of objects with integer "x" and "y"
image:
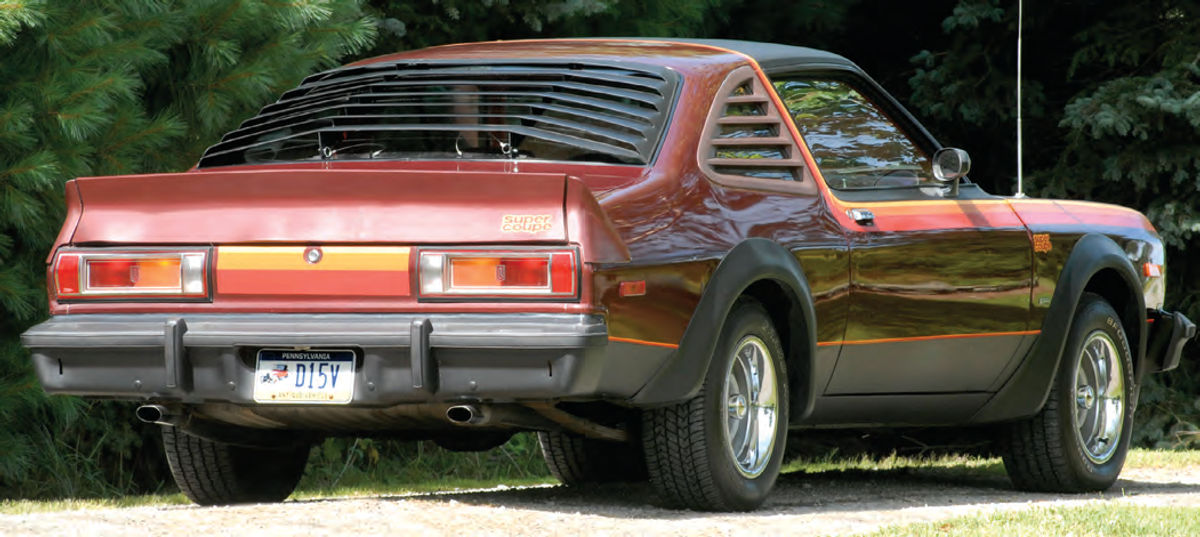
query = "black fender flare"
{"x": 1028, "y": 388}
{"x": 751, "y": 261}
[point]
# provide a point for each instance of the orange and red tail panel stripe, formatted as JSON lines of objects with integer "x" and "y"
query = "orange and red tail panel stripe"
{"x": 283, "y": 271}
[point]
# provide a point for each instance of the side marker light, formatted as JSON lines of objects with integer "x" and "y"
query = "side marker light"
{"x": 632, "y": 288}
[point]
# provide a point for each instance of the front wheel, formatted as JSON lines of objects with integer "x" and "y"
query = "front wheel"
{"x": 1078, "y": 442}
{"x": 722, "y": 450}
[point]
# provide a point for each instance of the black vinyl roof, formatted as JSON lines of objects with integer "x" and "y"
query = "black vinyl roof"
{"x": 771, "y": 56}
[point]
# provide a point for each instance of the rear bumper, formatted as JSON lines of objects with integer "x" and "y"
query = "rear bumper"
{"x": 400, "y": 358}
{"x": 1169, "y": 333}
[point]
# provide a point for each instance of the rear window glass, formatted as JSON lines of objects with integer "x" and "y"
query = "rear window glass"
{"x": 453, "y": 110}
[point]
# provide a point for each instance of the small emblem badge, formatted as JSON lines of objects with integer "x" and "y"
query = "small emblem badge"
{"x": 1041, "y": 243}
{"x": 313, "y": 255}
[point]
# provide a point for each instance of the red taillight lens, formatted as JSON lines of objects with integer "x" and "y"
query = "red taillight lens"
{"x": 66, "y": 275}
{"x": 497, "y": 273}
{"x": 112, "y": 274}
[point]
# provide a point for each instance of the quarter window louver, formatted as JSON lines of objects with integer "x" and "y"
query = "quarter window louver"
{"x": 745, "y": 140}
{"x": 588, "y": 111}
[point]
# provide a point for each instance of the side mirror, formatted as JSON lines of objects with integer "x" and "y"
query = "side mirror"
{"x": 949, "y": 165}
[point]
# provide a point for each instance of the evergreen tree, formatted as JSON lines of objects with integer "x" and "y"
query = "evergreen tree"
{"x": 408, "y": 24}
{"x": 109, "y": 87}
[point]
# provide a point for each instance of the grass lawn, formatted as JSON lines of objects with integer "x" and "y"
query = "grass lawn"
{"x": 1138, "y": 459}
{"x": 1098, "y": 520}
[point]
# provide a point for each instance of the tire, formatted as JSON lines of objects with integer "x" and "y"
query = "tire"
{"x": 690, "y": 446}
{"x": 1068, "y": 446}
{"x": 213, "y": 473}
{"x": 575, "y": 460}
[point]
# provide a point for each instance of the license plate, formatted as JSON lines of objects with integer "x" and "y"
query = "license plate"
{"x": 290, "y": 376}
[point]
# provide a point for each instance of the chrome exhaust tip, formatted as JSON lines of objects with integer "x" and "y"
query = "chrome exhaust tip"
{"x": 156, "y": 414}
{"x": 464, "y": 415}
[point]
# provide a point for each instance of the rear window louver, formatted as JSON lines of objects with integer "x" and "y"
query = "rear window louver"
{"x": 608, "y": 112}
{"x": 745, "y": 139}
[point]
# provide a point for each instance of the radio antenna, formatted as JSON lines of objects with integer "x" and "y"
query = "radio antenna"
{"x": 1020, "y": 156}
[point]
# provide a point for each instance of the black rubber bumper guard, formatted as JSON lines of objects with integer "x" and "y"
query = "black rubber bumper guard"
{"x": 206, "y": 357}
{"x": 1168, "y": 335}
{"x": 424, "y": 369}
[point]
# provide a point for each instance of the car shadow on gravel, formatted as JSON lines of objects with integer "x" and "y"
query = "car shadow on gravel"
{"x": 799, "y": 493}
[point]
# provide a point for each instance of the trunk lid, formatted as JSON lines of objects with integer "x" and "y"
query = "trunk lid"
{"x": 321, "y": 206}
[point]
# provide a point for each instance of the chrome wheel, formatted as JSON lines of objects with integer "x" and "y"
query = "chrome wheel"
{"x": 751, "y": 402}
{"x": 1099, "y": 408}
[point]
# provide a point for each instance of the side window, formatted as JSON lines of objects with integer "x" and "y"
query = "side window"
{"x": 856, "y": 145}
{"x": 745, "y": 142}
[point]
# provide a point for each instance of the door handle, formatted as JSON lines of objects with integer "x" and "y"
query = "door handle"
{"x": 863, "y": 217}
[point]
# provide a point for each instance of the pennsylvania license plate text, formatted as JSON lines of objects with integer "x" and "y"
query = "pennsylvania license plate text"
{"x": 290, "y": 376}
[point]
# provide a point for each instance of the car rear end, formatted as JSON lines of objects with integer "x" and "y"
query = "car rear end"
{"x": 285, "y": 307}
{"x": 386, "y": 243}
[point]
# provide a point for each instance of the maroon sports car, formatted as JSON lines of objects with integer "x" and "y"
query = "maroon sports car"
{"x": 660, "y": 255}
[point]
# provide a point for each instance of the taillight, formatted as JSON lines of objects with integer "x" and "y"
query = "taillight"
{"x": 159, "y": 274}
{"x": 498, "y": 273}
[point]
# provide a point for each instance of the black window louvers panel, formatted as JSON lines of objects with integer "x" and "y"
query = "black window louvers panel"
{"x": 217, "y": 159}
{"x": 415, "y": 90}
{"x": 362, "y": 122}
{"x": 643, "y": 115}
{"x": 603, "y": 107}
{"x": 601, "y": 127}
{"x": 577, "y": 75}
{"x": 646, "y": 98}
{"x": 593, "y": 108}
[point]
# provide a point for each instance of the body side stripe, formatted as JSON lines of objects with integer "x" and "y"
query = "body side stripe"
{"x": 643, "y": 342}
{"x": 927, "y": 338}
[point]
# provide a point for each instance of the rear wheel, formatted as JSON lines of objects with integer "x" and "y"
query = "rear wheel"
{"x": 214, "y": 473}
{"x": 1078, "y": 442}
{"x": 575, "y": 460}
{"x": 721, "y": 450}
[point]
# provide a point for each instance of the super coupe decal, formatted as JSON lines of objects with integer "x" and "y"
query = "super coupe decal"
{"x": 526, "y": 223}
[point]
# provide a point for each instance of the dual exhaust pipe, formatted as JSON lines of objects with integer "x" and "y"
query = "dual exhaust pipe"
{"x": 467, "y": 415}
{"x": 158, "y": 414}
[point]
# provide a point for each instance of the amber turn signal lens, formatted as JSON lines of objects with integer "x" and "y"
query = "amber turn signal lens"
{"x": 134, "y": 273}
{"x": 498, "y": 273}
{"x": 632, "y": 288}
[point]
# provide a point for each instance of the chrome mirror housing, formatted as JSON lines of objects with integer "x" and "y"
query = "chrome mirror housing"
{"x": 949, "y": 165}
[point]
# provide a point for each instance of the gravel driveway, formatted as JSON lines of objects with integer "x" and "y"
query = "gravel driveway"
{"x": 813, "y": 504}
